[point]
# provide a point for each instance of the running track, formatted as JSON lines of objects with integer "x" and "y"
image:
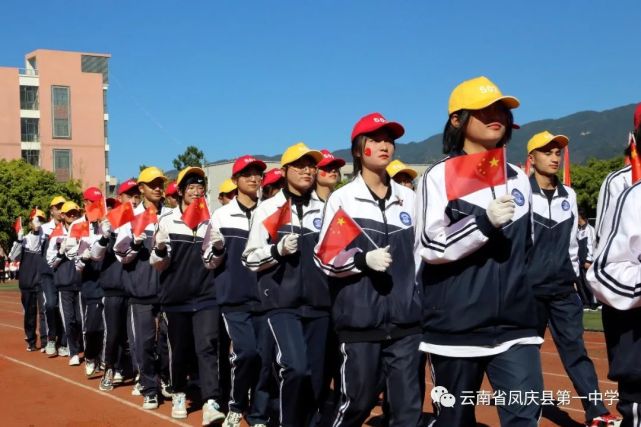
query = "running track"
{"x": 39, "y": 391}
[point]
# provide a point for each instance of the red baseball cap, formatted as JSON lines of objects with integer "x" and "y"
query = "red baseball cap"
{"x": 272, "y": 176}
{"x": 637, "y": 117}
{"x": 93, "y": 194}
{"x": 171, "y": 189}
{"x": 244, "y": 162}
{"x": 375, "y": 121}
{"x": 328, "y": 159}
{"x": 127, "y": 185}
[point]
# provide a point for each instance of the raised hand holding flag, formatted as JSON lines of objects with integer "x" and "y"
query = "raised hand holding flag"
{"x": 282, "y": 216}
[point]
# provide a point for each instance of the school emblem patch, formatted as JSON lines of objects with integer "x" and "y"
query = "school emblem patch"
{"x": 565, "y": 205}
{"x": 406, "y": 219}
{"x": 318, "y": 223}
{"x": 518, "y": 197}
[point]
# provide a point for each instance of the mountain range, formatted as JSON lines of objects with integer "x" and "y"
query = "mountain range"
{"x": 593, "y": 134}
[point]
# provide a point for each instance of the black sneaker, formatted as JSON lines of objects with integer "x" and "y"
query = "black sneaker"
{"x": 150, "y": 402}
{"x": 107, "y": 383}
{"x": 32, "y": 347}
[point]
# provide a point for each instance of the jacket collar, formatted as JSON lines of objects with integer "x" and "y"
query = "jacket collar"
{"x": 362, "y": 192}
{"x": 559, "y": 192}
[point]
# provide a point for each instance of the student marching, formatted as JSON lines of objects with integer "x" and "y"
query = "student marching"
{"x": 311, "y": 296}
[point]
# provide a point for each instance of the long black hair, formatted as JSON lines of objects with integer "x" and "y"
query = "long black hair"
{"x": 454, "y": 137}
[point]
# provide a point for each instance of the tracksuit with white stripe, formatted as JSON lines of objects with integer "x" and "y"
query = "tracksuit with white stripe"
{"x": 91, "y": 292}
{"x": 30, "y": 251}
{"x": 141, "y": 282}
{"x": 615, "y": 278}
{"x": 55, "y": 331}
{"x": 246, "y": 324}
{"x": 479, "y": 315}
{"x": 377, "y": 315}
{"x": 188, "y": 300}
{"x": 294, "y": 292}
{"x": 67, "y": 281}
{"x": 115, "y": 302}
{"x": 585, "y": 237}
{"x": 553, "y": 270}
{"x": 611, "y": 188}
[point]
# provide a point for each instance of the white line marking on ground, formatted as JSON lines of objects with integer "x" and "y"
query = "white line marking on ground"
{"x": 94, "y": 390}
{"x": 10, "y": 326}
{"x": 565, "y": 376}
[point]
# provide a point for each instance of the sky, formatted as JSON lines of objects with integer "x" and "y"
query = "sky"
{"x": 253, "y": 77}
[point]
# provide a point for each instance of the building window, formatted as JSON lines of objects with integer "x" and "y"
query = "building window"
{"x": 29, "y": 97}
{"x": 107, "y": 162}
{"x": 61, "y": 111}
{"x": 62, "y": 164}
{"x": 104, "y": 101}
{"x": 106, "y": 130}
{"x": 29, "y": 130}
{"x": 31, "y": 156}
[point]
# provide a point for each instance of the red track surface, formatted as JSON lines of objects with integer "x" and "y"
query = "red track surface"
{"x": 41, "y": 391}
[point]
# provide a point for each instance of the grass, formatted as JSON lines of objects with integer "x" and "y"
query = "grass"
{"x": 9, "y": 285}
{"x": 592, "y": 321}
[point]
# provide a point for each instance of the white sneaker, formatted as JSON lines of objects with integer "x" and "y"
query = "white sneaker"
{"x": 178, "y": 406}
{"x": 150, "y": 402}
{"x": 233, "y": 419}
{"x": 50, "y": 349}
{"x": 118, "y": 377}
{"x": 75, "y": 360}
{"x": 211, "y": 412}
{"x": 90, "y": 367}
{"x": 259, "y": 425}
{"x": 136, "y": 390}
{"x": 63, "y": 351}
{"x": 164, "y": 390}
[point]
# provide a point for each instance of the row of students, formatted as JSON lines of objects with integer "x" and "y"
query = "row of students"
{"x": 451, "y": 277}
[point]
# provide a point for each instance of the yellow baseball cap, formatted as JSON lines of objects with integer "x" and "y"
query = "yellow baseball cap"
{"x": 478, "y": 93}
{"x": 69, "y": 206}
{"x": 149, "y": 174}
{"x": 38, "y": 213}
{"x": 190, "y": 169}
{"x": 297, "y": 151}
{"x": 396, "y": 166}
{"x": 57, "y": 200}
{"x": 227, "y": 186}
{"x": 542, "y": 139}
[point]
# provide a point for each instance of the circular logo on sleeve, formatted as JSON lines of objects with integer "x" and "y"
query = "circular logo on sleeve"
{"x": 406, "y": 219}
{"x": 317, "y": 223}
{"x": 519, "y": 199}
{"x": 565, "y": 205}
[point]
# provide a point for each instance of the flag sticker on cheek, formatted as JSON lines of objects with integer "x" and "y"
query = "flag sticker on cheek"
{"x": 323, "y": 173}
{"x": 368, "y": 152}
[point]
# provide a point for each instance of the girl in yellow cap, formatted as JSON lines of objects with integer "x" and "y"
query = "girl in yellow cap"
{"x": 479, "y": 315}
{"x": 293, "y": 291}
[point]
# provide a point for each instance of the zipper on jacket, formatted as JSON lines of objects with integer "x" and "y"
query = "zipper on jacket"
{"x": 388, "y": 334}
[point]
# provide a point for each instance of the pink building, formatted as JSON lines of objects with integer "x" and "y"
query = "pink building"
{"x": 53, "y": 114}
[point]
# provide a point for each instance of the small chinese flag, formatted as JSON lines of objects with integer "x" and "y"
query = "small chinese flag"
{"x": 58, "y": 231}
{"x": 282, "y": 216}
{"x": 121, "y": 215}
{"x": 527, "y": 166}
{"x": 472, "y": 172}
{"x": 142, "y": 220}
{"x": 33, "y": 212}
{"x": 17, "y": 225}
{"x": 79, "y": 230}
{"x": 97, "y": 210}
{"x": 567, "y": 180}
{"x": 635, "y": 162}
{"x": 196, "y": 213}
{"x": 341, "y": 232}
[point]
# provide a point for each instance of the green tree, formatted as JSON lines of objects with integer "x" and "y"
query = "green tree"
{"x": 191, "y": 157}
{"x": 23, "y": 187}
{"x": 143, "y": 166}
{"x": 587, "y": 179}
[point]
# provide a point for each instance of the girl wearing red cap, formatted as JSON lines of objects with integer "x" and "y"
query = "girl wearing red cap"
{"x": 328, "y": 174}
{"x": 479, "y": 315}
{"x": 273, "y": 181}
{"x": 376, "y": 307}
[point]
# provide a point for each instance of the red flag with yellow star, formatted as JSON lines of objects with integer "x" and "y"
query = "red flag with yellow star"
{"x": 567, "y": 179}
{"x": 142, "y": 220}
{"x": 472, "y": 172}
{"x": 79, "y": 230}
{"x": 635, "y": 162}
{"x": 196, "y": 213}
{"x": 340, "y": 233}
{"x": 282, "y": 216}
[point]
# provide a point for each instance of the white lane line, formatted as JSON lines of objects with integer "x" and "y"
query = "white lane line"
{"x": 10, "y": 326}
{"x": 565, "y": 376}
{"x": 94, "y": 390}
{"x": 551, "y": 353}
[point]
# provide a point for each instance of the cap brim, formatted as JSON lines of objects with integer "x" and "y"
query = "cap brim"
{"x": 509, "y": 101}
{"x": 326, "y": 162}
{"x": 562, "y": 140}
{"x": 410, "y": 172}
{"x": 316, "y": 155}
{"x": 262, "y": 165}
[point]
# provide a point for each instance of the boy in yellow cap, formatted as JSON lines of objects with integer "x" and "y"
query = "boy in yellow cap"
{"x": 141, "y": 283}
{"x": 401, "y": 173}
{"x": 552, "y": 270}
{"x": 61, "y": 255}
{"x": 28, "y": 249}
{"x": 292, "y": 289}
{"x": 226, "y": 191}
